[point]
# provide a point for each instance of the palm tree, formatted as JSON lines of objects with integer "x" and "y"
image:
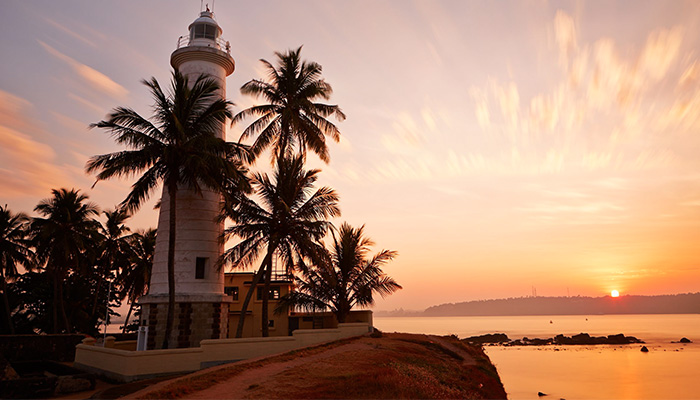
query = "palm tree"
{"x": 344, "y": 278}
{"x": 63, "y": 240}
{"x": 291, "y": 120}
{"x": 14, "y": 250}
{"x": 136, "y": 278}
{"x": 291, "y": 218}
{"x": 115, "y": 247}
{"x": 180, "y": 148}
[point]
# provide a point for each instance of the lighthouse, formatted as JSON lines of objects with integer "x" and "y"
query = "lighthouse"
{"x": 201, "y": 308}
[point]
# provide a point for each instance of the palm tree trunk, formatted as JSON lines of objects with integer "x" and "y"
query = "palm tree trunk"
{"x": 6, "y": 299}
{"x": 54, "y": 306}
{"x": 266, "y": 300}
{"x": 172, "y": 193}
{"x": 249, "y": 295}
{"x": 61, "y": 305}
{"x": 128, "y": 315}
{"x": 94, "y": 301}
{"x": 340, "y": 316}
{"x": 97, "y": 296}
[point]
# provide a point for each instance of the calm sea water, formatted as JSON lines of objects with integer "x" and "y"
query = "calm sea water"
{"x": 668, "y": 371}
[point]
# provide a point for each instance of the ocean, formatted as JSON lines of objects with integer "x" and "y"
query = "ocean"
{"x": 667, "y": 371}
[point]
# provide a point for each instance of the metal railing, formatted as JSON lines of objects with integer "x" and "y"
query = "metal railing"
{"x": 184, "y": 41}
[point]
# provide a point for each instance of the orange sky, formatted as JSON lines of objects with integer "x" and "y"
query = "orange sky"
{"x": 496, "y": 146}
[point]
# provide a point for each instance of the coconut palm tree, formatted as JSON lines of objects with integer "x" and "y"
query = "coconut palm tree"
{"x": 14, "y": 251}
{"x": 136, "y": 278}
{"x": 179, "y": 149}
{"x": 289, "y": 219}
{"x": 115, "y": 247}
{"x": 63, "y": 240}
{"x": 291, "y": 121}
{"x": 343, "y": 279}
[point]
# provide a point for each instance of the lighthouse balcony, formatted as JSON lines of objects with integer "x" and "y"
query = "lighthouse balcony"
{"x": 218, "y": 43}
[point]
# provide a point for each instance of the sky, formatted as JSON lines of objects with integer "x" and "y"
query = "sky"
{"x": 497, "y": 146}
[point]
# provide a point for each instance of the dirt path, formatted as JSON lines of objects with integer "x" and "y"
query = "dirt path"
{"x": 236, "y": 387}
{"x": 396, "y": 365}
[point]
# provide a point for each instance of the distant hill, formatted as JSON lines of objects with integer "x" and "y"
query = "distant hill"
{"x": 688, "y": 303}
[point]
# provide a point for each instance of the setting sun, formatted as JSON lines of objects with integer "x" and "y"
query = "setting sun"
{"x": 614, "y": 293}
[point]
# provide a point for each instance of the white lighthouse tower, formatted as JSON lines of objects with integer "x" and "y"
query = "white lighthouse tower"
{"x": 201, "y": 309}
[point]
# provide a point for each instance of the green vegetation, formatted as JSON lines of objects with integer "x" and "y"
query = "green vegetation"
{"x": 343, "y": 278}
{"x": 71, "y": 260}
{"x": 178, "y": 147}
{"x": 289, "y": 220}
{"x": 291, "y": 120}
{"x": 14, "y": 250}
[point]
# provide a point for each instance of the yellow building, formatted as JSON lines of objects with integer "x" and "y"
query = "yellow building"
{"x": 237, "y": 284}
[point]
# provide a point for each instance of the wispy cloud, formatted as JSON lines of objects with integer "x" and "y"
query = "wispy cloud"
{"x": 96, "y": 79}
{"x": 69, "y": 32}
{"x": 27, "y": 167}
{"x": 87, "y": 104}
{"x": 11, "y": 109}
{"x": 604, "y": 113}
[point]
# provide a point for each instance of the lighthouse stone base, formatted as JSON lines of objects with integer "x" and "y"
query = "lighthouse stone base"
{"x": 197, "y": 317}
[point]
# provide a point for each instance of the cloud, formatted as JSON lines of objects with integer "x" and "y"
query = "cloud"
{"x": 606, "y": 110}
{"x": 26, "y": 165}
{"x": 11, "y": 109}
{"x": 691, "y": 76}
{"x": 587, "y": 208}
{"x": 661, "y": 50}
{"x": 69, "y": 32}
{"x": 565, "y": 35}
{"x": 87, "y": 104}
{"x": 96, "y": 79}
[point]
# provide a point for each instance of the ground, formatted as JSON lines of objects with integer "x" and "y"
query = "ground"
{"x": 395, "y": 365}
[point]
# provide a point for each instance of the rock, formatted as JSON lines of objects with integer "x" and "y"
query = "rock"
{"x": 617, "y": 339}
{"x": 542, "y": 394}
{"x": 685, "y": 340}
{"x": 632, "y": 339}
{"x": 70, "y": 384}
{"x": 537, "y": 342}
{"x": 644, "y": 349}
{"x": 6, "y": 370}
{"x": 488, "y": 338}
{"x": 581, "y": 338}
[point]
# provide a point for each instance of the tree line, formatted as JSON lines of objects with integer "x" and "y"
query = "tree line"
{"x": 62, "y": 268}
{"x": 281, "y": 214}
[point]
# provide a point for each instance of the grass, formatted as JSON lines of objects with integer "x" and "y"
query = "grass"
{"x": 187, "y": 385}
{"x": 394, "y": 366}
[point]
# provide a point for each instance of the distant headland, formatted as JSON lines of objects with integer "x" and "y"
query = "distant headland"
{"x": 686, "y": 303}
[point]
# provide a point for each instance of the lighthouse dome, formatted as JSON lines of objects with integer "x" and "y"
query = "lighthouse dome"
{"x": 205, "y": 27}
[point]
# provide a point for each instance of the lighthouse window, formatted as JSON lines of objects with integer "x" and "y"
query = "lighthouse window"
{"x": 204, "y": 31}
{"x": 199, "y": 268}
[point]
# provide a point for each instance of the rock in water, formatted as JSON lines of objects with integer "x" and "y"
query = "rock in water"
{"x": 685, "y": 340}
{"x": 541, "y": 394}
{"x": 488, "y": 338}
{"x": 644, "y": 349}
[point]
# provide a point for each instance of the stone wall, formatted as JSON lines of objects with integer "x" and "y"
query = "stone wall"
{"x": 127, "y": 366}
{"x": 193, "y": 323}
